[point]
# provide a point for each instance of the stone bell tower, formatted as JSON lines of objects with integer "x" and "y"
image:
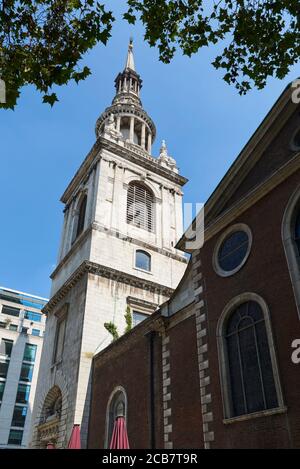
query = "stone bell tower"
{"x": 122, "y": 218}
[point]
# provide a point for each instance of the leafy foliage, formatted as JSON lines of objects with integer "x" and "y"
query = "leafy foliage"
{"x": 128, "y": 319}
{"x": 260, "y": 38}
{"x": 112, "y": 329}
{"x": 42, "y": 42}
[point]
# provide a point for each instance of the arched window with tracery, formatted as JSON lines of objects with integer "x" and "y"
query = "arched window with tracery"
{"x": 249, "y": 372}
{"x": 291, "y": 242}
{"x": 140, "y": 206}
{"x": 117, "y": 408}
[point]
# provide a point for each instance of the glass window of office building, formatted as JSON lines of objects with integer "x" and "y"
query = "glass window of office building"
{"x": 6, "y": 347}
{"x": 4, "y": 364}
{"x": 2, "y": 386}
{"x": 22, "y": 299}
{"x": 23, "y": 394}
{"x": 15, "y": 437}
{"x": 10, "y": 311}
{"x": 37, "y": 317}
{"x": 30, "y": 353}
{"x": 26, "y": 373}
{"x": 19, "y": 416}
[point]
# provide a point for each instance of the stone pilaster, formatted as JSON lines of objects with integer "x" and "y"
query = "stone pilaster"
{"x": 166, "y": 388}
{"x": 202, "y": 346}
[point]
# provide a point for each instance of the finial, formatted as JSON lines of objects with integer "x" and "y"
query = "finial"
{"x": 165, "y": 159}
{"x": 130, "y": 58}
{"x": 163, "y": 150}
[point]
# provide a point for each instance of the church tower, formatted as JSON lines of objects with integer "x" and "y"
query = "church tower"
{"x": 122, "y": 218}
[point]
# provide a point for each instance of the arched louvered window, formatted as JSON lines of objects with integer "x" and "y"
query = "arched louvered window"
{"x": 140, "y": 207}
{"x": 297, "y": 231}
{"x": 249, "y": 365}
{"x": 81, "y": 216}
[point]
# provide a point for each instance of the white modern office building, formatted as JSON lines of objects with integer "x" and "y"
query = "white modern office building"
{"x": 22, "y": 326}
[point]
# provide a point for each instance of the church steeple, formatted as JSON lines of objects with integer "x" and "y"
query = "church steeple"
{"x": 132, "y": 123}
{"x": 128, "y": 83}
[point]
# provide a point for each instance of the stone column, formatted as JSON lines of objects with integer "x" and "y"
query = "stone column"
{"x": 149, "y": 143}
{"x": 118, "y": 207}
{"x": 166, "y": 218}
{"x": 64, "y": 235}
{"x": 178, "y": 214}
{"x": 131, "y": 133}
{"x": 143, "y": 136}
{"x": 118, "y": 123}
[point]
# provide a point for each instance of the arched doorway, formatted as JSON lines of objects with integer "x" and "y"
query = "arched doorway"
{"x": 50, "y": 420}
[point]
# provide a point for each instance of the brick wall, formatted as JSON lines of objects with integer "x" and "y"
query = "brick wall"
{"x": 128, "y": 365}
{"x": 266, "y": 274}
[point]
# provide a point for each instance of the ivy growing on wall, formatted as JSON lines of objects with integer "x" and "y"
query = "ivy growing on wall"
{"x": 128, "y": 319}
{"x": 112, "y": 328}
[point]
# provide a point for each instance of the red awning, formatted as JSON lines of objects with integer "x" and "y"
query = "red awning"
{"x": 74, "y": 442}
{"x": 119, "y": 438}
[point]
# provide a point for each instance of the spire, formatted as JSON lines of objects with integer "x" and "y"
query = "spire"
{"x": 128, "y": 83}
{"x": 130, "y": 58}
{"x": 125, "y": 118}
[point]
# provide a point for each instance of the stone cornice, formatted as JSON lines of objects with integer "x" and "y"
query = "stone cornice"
{"x": 248, "y": 157}
{"x": 102, "y": 229}
{"x": 88, "y": 267}
{"x": 138, "y": 302}
{"x": 151, "y": 164}
{"x": 248, "y": 200}
{"x": 253, "y": 151}
{"x": 254, "y": 196}
{"x": 95, "y": 226}
{"x": 128, "y": 154}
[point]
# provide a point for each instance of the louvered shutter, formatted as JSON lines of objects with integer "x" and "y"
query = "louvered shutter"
{"x": 140, "y": 207}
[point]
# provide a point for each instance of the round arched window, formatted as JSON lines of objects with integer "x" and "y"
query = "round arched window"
{"x": 250, "y": 371}
{"x": 232, "y": 250}
{"x": 143, "y": 261}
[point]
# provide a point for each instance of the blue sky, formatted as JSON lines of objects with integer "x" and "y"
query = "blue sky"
{"x": 204, "y": 121}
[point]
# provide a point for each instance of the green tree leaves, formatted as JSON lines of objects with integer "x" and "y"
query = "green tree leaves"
{"x": 43, "y": 42}
{"x": 260, "y": 39}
